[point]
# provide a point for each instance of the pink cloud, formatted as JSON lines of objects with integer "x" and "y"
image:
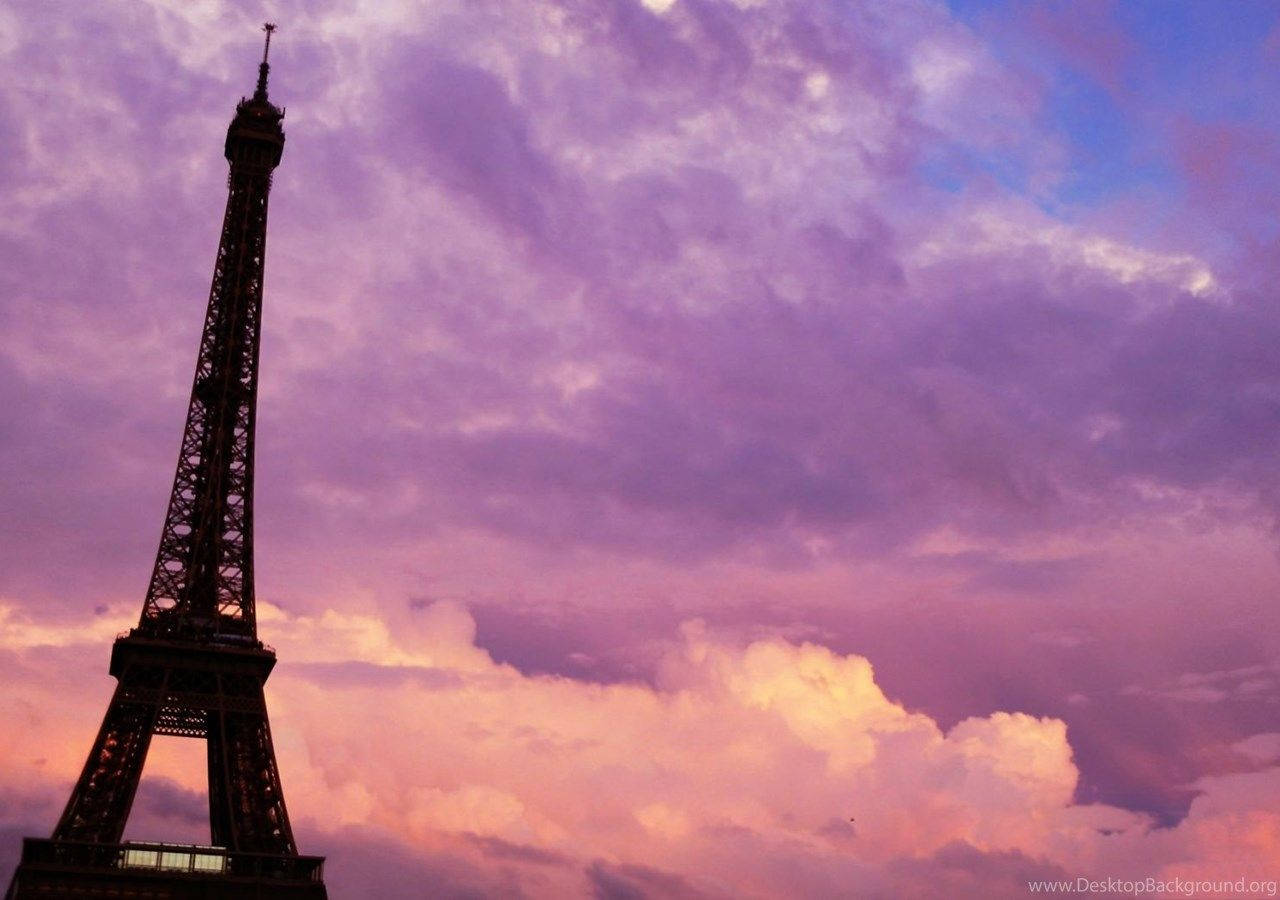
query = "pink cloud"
{"x": 745, "y": 762}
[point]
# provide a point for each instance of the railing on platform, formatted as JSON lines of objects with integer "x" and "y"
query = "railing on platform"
{"x": 191, "y": 859}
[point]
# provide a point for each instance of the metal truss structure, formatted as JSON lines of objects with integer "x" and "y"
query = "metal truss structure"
{"x": 194, "y": 667}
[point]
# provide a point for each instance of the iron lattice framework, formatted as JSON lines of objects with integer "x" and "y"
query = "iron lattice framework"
{"x": 202, "y": 582}
{"x": 194, "y": 666}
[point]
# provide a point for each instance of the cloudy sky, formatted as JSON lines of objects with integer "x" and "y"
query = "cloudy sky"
{"x": 707, "y": 448}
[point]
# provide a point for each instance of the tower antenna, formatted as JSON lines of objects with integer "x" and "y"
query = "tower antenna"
{"x": 261, "y": 92}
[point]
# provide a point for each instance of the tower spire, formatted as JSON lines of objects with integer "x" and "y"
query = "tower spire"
{"x": 263, "y": 68}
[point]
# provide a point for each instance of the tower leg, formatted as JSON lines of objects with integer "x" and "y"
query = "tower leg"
{"x": 246, "y": 802}
{"x": 101, "y": 800}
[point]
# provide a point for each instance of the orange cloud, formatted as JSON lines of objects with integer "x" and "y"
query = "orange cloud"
{"x": 767, "y": 769}
{"x": 742, "y": 763}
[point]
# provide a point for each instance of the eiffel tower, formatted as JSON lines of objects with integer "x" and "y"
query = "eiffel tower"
{"x": 194, "y": 667}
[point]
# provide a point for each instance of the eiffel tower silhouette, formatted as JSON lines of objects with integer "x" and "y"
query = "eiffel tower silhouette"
{"x": 193, "y": 666}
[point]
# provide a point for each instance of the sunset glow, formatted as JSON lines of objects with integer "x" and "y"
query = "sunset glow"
{"x": 706, "y": 448}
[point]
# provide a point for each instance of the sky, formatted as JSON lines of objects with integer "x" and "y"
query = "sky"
{"x": 706, "y": 448}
